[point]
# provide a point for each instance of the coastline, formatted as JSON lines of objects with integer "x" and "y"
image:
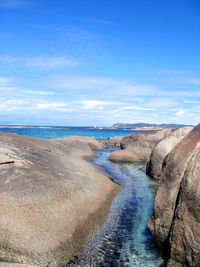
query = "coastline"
{"x": 88, "y": 190}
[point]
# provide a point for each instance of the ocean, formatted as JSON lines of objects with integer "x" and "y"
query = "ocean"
{"x": 54, "y": 132}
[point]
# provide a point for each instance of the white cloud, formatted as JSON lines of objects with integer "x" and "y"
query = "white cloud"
{"x": 104, "y": 86}
{"x": 180, "y": 112}
{"x": 136, "y": 108}
{"x": 137, "y": 99}
{"x": 16, "y": 102}
{"x": 94, "y": 104}
{"x": 50, "y": 105}
{"x": 191, "y": 102}
{"x": 93, "y": 99}
{"x": 162, "y": 102}
{"x": 7, "y": 85}
{"x": 37, "y": 92}
{"x": 12, "y": 105}
{"x": 5, "y": 80}
{"x": 177, "y": 77}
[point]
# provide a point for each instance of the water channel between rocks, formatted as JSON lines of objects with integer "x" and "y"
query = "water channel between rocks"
{"x": 123, "y": 240}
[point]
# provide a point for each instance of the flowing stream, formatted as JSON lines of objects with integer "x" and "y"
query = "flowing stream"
{"x": 123, "y": 240}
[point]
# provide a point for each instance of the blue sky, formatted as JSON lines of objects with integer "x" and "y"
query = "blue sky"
{"x": 85, "y": 62}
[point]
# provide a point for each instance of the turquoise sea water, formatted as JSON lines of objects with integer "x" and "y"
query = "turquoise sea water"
{"x": 55, "y": 132}
{"x": 123, "y": 240}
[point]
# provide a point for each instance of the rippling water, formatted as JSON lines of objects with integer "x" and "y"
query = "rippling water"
{"x": 123, "y": 240}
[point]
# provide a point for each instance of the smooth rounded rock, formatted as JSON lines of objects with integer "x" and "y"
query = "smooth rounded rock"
{"x": 137, "y": 147}
{"x": 92, "y": 142}
{"x": 123, "y": 156}
{"x": 51, "y": 199}
{"x": 161, "y": 149}
{"x": 176, "y": 217}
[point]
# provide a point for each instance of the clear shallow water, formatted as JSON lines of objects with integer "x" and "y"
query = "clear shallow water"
{"x": 55, "y": 132}
{"x": 123, "y": 240}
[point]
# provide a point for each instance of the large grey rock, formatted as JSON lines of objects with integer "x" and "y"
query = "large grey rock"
{"x": 161, "y": 149}
{"x": 176, "y": 218}
{"x": 138, "y": 146}
{"x": 122, "y": 156}
{"x": 93, "y": 143}
{"x": 113, "y": 141}
{"x": 51, "y": 198}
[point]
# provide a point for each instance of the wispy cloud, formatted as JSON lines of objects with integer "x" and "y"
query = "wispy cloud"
{"x": 176, "y": 77}
{"x": 93, "y": 20}
{"x": 137, "y": 99}
{"x": 16, "y": 4}
{"x": 104, "y": 86}
{"x": 184, "y": 80}
{"x": 50, "y": 62}
{"x": 180, "y": 113}
{"x": 191, "y": 101}
{"x": 39, "y": 93}
{"x": 94, "y": 99}
{"x": 7, "y": 59}
{"x": 7, "y": 84}
{"x": 136, "y": 108}
{"x": 5, "y": 80}
{"x": 50, "y": 105}
{"x": 81, "y": 39}
{"x": 94, "y": 104}
{"x": 11, "y": 105}
{"x": 42, "y": 61}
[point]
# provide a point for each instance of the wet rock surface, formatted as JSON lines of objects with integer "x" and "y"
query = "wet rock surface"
{"x": 51, "y": 198}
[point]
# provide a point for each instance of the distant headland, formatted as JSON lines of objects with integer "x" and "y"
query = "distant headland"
{"x": 147, "y": 126}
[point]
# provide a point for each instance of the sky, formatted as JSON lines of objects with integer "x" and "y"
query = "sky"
{"x": 99, "y": 62}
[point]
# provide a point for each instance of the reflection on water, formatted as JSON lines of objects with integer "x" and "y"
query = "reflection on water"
{"x": 123, "y": 239}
